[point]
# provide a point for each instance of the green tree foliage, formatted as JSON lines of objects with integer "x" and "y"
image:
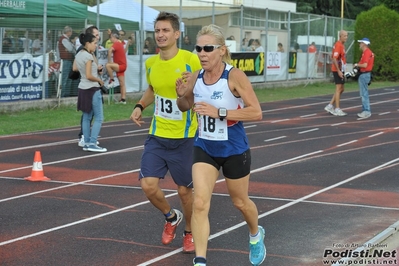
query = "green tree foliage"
{"x": 380, "y": 25}
{"x": 89, "y": 2}
{"x": 333, "y": 7}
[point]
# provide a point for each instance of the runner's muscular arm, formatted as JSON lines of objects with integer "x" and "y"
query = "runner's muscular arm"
{"x": 240, "y": 85}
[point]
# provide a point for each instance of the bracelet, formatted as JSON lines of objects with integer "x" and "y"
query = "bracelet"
{"x": 139, "y": 106}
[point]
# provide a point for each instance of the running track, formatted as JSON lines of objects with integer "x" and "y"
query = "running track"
{"x": 319, "y": 182}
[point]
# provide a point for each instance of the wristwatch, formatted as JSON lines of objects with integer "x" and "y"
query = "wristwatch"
{"x": 222, "y": 113}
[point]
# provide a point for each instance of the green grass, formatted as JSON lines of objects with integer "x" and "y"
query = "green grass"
{"x": 67, "y": 116}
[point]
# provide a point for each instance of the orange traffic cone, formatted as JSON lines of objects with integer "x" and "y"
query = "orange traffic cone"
{"x": 37, "y": 169}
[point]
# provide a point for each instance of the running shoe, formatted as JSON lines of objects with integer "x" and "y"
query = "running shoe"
{"x": 188, "y": 243}
{"x": 95, "y": 148}
{"x": 364, "y": 114}
{"x": 169, "y": 230}
{"x": 330, "y": 109}
{"x": 257, "y": 251}
{"x": 81, "y": 142}
{"x": 339, "y": 112}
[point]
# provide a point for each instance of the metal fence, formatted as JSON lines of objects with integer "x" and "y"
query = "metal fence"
{"x": 30, "y": 31}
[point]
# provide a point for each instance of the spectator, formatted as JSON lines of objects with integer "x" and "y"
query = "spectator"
{"x": 122, "y": 35}
{"x": 365, "y": 66}
{"x": 244, "y": 44}
{"x": 37, "y": 45}
{"x": 131, "y": 45}
{"x": 27, "y": 43}
{"x": 74, "y": 39}
{"x": 7, "y": 44}
{"x": 117, "y": 62}
{"x": 149, "y": 46}
{"x": 280, "y": 47}
{"x": 187, "y": 45}
{"x": 258, "y": 47}
{"x": 226, "y": 145}
{"x": 94, "y": 31}
{"x": 107, "y": 43}
{"x": 250, "y": 47}
{"x": 231, "y": 38}
{"x": 90, "y": 100}
{"x": 312, "y": 48}
{"x": 67, "y": 54}
{"x": 297, "y": 48}
{"x": 338, "y": 66}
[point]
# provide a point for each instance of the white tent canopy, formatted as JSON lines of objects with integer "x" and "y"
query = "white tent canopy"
{"x": 128, "y": 10}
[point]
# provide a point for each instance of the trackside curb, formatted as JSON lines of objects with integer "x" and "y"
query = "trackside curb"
{"x": 387, "y": 239}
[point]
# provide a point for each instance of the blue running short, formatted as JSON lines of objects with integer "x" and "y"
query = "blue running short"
{"x": 162, "y": 155}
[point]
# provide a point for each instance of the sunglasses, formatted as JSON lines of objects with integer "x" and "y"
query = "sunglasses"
{"x": 207, "y": 48}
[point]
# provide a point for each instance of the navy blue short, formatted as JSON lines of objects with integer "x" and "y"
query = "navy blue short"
{"x": 162, "y": 155}
{"x": 234, "y": 167}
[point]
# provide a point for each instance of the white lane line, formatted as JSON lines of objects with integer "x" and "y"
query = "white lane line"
{"x": 376, "y": 134}
{"x": 338, "y": 124}
{"x": 40, "y": 146}
{"x": 300, "y": 200}
{"x": 77, "y": 158}
{"x": 347, "y": 143}
{"x": 249, "y": 126}
{"x": 285, "y": 161}
{"x": 384, "y": 113}
{"x": 117, "y": 210}
{"x": 137, "y": 130}
{"x": 307, "y": 131}
{"x": 308, "y": 115}
{"x": 67, "y": 186}
{"x": 277, "y": 121}
{"x": 346, "y": 99}
{"x": 282, "y": 137}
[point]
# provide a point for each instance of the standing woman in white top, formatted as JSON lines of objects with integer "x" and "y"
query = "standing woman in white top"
{"x": 257, "y": 46}
{"x": 90, "y": 100}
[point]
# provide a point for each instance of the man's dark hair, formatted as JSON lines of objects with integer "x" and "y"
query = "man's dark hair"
{"x": 171, "y": 17}
{"x": 90, "y": 29}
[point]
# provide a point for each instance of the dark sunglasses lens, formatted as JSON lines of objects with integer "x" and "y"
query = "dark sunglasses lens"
{"x": 208, "y": 48}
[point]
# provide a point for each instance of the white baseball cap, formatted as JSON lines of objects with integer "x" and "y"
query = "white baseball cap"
{"x": 365, "y": 41}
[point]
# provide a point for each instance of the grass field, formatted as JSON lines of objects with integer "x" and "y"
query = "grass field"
{"x": 67, "y": 116}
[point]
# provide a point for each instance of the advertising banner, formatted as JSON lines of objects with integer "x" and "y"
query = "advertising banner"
{"x": 273, "y": 63}
{"x": 21, "y": 77}
{"x": 251, "y": 63}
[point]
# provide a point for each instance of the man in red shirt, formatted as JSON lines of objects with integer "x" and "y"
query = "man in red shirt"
{"x": 365, "y": 66}
{"x": 338, "y": 69}
{"x": 312, "y": 48}
{"x": 117, "y": 62}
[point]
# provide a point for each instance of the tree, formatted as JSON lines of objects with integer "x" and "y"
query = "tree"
{"x": 384, "y": 42}
{"x": 333, "y": 7}
{"x": 89, "y": 2}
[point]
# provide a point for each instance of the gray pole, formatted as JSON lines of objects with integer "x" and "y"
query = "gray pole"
{"x": 45, "y": 66}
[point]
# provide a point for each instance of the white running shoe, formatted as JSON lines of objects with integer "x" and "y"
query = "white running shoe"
{"x": 81, "y": 142}
{"x": 330, "y": 109}
{"x": 339, "y": 112}
{"x": 364, "y": 114}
